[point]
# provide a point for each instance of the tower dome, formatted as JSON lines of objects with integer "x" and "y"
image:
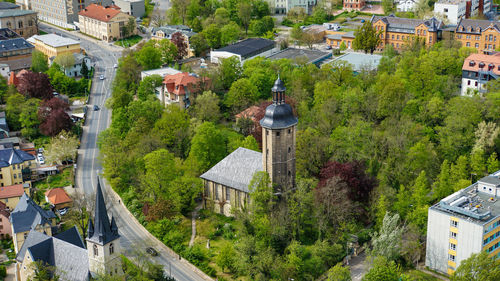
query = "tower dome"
{"x": 279, "y": 114}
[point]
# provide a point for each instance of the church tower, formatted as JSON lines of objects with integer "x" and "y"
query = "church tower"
{"x": 103, "y": 240}
{"x": 279, "y": 127}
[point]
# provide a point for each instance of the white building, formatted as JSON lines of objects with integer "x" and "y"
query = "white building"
{"x": 452, "y": 10}
{"x": 4, "y": 70}
{"x": 477, "y": 71}
{"x": 243, "y": 50}
{"x": 159, "y": 71}
{"x": 283, "y": 6}
{"x": 405, "y": 5}
{"x": 464, "y": 223}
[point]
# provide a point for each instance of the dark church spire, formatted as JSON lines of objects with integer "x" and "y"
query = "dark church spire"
{"x": 102, "y": 231}
{"x": 278, "y": 91}
{"x": 279, "y": 114}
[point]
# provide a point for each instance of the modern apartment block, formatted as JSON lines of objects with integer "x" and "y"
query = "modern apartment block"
{"x": 479, "y": 34}
{"x": 62, "y": 13}
{"x": 398, "y": 32}
{"x": 283, "y": 6}
{"x": 455, "y": 10}
{"x": 464, "y": 223}
{"x": 478, "y": 70}
{"x": 135, "y": 8}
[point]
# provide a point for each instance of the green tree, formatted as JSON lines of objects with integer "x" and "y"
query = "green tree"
{"x": 148, "y": 86}
{"x": 261, "y": 192}
{"x": 478, "y": 267}
{"x": 85, "y": 70}
{"x": 212, "y": 35}
{"x": 443, "y": 186}
{"x": 387, "y": 242}
{"x": 387, "y": 5}
{"x": 339, "y": 273}
{"x": 226, "y": 257}
{"x": 229, "y": 33}
{"x": 206, "y": 107}
{"x": 199, "y": 44}
{"x": 206, "y": 149}
{"x": 245, "y": 15}
{"x": 66, "y": 60}
{"x": 477, "y": 162}
{"x": 342, "y": 47}
{"x": 13, "y": 110}
{"x": 161, "y": 169}
{"x": 39, "y": 61}
{"x": 367, "y": 39}
{"x": 168, "y": 51}
{"x": 149, "y": 57}
{"x": 172, "y": 130}
{"x": 241, "y": 95}
{"x": 28, "y": 118}
{"x": 493, "y": 164}
{"x": 420, "y": 190}
{"x": 383, "y": 269}
{"x": 381, "y": 210}
{"x": 229, "y": 71}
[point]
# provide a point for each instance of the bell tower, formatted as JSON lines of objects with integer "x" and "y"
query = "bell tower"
{"x": 279, "y": 127}
{"x": 103, "y": 240}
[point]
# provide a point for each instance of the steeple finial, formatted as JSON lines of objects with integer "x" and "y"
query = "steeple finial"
{"x": 278, "y": 91}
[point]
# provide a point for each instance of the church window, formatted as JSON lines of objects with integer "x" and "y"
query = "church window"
{"x": 277, "y": 134}
{"x": 217, "y": 192}
{"x": 96, "y": 251}
{"x": 228, "y": 193}
{"x": 289, "y": 173}
{"x": 289, "y": 131}
{"x": 289, "y": 149}
{"x": 111, "y": 248}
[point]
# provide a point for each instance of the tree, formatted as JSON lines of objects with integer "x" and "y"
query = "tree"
{"x": 28, "y": 118}
{"x": 13, "y": 110}
{"x": 39, "y": 61}
{"x": 367, "y": 39}
{"x": 43, "y": 272}
{"x": 206, "y": 107}
{"x": 206, "y": 149}
{"x": 241, "y": 95}
{"x": 387, "y": 242}
{"x": 161, "y": 168}
{"x": 493, "y": 163}
{"x": 383, "y": 270}
{"x": 226, "y": 257}
{"x": 486, "y": 134}
{"x": 245, "y": 15}
{"x": 130, "y": 27}
{"x": 478, "y": 267}
{"x": 168, "y": 51}
{"x": 339, "y": 273}
{"x": 296, "y": 34}
{"x": 212, "y": 36}
{"x": 148, "y": 86}
{"x": 229, "y": 33}
{"x": 57, "y": 121}
{"x": 180, "y": 42}
{"x": 35, "y": 85}
{"x": 199, "y": 44}
{"x": 443, "y": 187}
{"x": 149, "y": 57}
{"x": 62, "y": 147}
{"x": 66, "y": 60}
{"x": 85, "y": 70}
{"x": 82, "y": 210}
{"x": 229, "y": 71}
{"x": 387, "y": 5}
{"x": 172, "y": 130}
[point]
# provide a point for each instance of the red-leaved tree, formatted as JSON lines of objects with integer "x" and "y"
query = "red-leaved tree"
{"x": 180, "y": 42}
{"x": 35, "y": 85}
{"x": 53, "y": 117}
{"x": 353, "y": 174}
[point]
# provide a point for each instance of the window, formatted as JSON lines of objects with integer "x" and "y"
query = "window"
{"x": 289, "y": 149}
{"x": 228, "y": 194}
{"x": 475, "y": 84}
{"x": 25, "y": 235}
{"x": 453, "y": 235}
{"x": 491, "y": 38}
{"x": 111, "y": 248}
{"x": 454, "y": 223}
{"x": 96, "y": 251}
{"x": 277, "y": 134}
{"x": 15, "y": 176}
{"x": 20, "y": 24}
{"x": 445, "y": 10}
{"x": 468, "y": 82}
{"x": 467, "y": 44}
{"x": 451, "y": 257}
{"x": 476, "y": 45}
{"x": 425, "y": 32}
{"x": 289, "y": 131}
{"x": 217, "y": 191}
{"x": 397, "y": 37}
{"x": 393, "y": 37}
{"x": 267, "y": 132}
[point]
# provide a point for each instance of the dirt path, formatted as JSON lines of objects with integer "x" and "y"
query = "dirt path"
{"x": 194, "y": 215}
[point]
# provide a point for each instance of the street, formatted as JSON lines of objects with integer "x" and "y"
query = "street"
{"x": 134, "y": 237}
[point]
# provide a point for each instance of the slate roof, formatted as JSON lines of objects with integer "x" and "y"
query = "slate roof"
{"x": 15, "y": 13}
{"x": 476, "y": 25}
{"x": 101, "y": 231}
{"x": 236, "y": 170}
{"x": 14, "y": 45}
{"x": 10, "y": 191}
{"x": 7, "y": 33}
{"x": 249, "y": 47}
{"x": 11, "y": 156}
{"x": 71, "y": 236}
{"x": 292, "y": 53}
{"x": 53, "y": 40}
{"x": 27, "y": 215}
{"x": 99, "y": 12}
{"x": 491, "y": 180}
{"x": 8, "y": 5}
{"x": 71, "y": 261}
{"x": 406, "y": 25}
{"x": 171, "y": 29}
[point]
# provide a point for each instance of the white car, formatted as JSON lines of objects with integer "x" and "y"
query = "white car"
{"x": 115, "y": 66}
{"x": 63, "y": 211}
{"x": 101, "y": 77}
{"x": 41, "y": 160}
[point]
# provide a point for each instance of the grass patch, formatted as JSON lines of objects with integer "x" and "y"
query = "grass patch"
{"x": 130, "y": 41}
{"x": 42, "y": 32}
{"x": 62, "y": 179}
{"x": 420, "y": 275}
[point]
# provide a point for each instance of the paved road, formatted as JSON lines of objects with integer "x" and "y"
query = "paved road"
{"x": 133, "y": 235}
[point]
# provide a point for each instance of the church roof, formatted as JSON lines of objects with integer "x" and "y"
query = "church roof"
{"x": 102, "y": 231}
{"x": 236, "y": 170}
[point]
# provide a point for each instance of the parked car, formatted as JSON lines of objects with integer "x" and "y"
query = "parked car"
{"x": 328, "y": 47}
{"x": 101, "y": 77}
{"x": 96, "y": 108}
{"x": 362, "y": 21}
{"x": 115, "y": 66}
{"x": 41, "y": 160}
{"x": 151, "y": 251}
{"x": 63, "y": 211}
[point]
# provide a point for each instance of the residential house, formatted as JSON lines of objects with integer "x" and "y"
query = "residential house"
{"x": 15, "y": 166}
{"x": 477, "y": 71}
{"x": 243, "y": 50}
{"x": 159, "y": 71}
{"x": 22, "y": 22}
{"x": 359, "y": 61}
{"x": 27, "y": 216}
{"x": 76, "y": 69}
{"x": 479, "y": 34}
{"x": 60, "y": 13}
{"x": 166, "y": 32}
{"x": 5, "y": 227}
{"x": 58, "y": 198}
{"x": 353, "y": 5}
{"x": 135, "y": 8}
{"x": 248, "y": 113}
{"x": 310, "y": 56}
{"x": 398, "y": 32}
{"x": 4, "y": 127}
{"x": 103, "y": 23}
{"x": 15, "y": 51}
{"x": 10, "y": 195}
{"x": 227, "y": 184}
{"x": 14, "y": 77}
{"x": 336, "y": 38}
{"x": 464, "y": 223}
{"x": 53, "y": 45}
{"x": 177, "y": 88}
{"x": 405, "y": 5}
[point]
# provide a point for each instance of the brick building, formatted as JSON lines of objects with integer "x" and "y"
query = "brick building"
{"x": 479, "y": 34}
{"x": 354, "y": 5}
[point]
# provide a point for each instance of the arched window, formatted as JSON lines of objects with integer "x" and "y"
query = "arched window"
{"x": 111, "y": 249}
{"x": 30, "y": 23}
{"x": 96, "y": 251}
{"x": 20, "y": 24}
{"x": 9, "y": 25}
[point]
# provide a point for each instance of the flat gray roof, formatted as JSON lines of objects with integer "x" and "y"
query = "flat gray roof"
{"x": 53, "y": 40}
{"x": 292, "y": 53}
{"x": 360, "y": 61}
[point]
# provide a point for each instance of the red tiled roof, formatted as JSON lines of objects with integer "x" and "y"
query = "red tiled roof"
{"x": 248, "y": 113}
{"x": 57, "y": 196}
{"x": 99, "y": 13}
{"x": 494, "y": 60}
{"x": 14, "y": 78}
{"x": 10, "y": 191}
{"x": 176, "y": 83}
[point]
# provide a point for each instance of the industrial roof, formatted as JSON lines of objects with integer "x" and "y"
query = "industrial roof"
{"x": 249, "y": 47}
{"x": 360, "y": 61}
{"x": 53, "y": 40}
{"x": 236, "y": 170}
{"x": 312, "y": 56}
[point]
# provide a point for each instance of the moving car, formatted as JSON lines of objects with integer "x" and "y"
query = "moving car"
{"x": 151, "y": 251}
{"x": 101, "y": 77}
{"x": 96, "y": 108}
{"x": 115, "y": 66}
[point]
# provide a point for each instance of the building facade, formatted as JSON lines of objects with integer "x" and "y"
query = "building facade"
{"x": 452, "y": 10}
{"x": 464, "y": 223}
{"x": 479, "y": 34}
{"x": 19, "y": 21}
{"x": 283, "y": 6}
{"x": 15, "y": 167}
{"x": 5, "y": 227}
{"x": 135, "y": 8}
{"x": 103, "y": 23}
{"x": 14, "y": 51}
{"x": 166, "y": 32}
{"x": 178, "y": 88}
{"x": 336, "y": 38}
{"x": 353, "y": 5}
{"x": 53, "y": 45}
{"x": 227, "y": 184}
{"x": 405, "y": 5}
{"x": 399, "y": 32}
{"x": 10, "y": 195}
{"x": 477, "y": 71}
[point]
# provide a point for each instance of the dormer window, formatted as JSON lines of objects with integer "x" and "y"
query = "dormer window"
{"x": 481, "y": 64}
{"x": 472, "y": 63}
{"x": 491, "y": 66}
{"x": 498, "y": 67}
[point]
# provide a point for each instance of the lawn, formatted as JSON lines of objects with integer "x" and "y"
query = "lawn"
{"x": 420, "y": 275}
{"x": 130, "y": 41}
{"x": 62, "y": 179}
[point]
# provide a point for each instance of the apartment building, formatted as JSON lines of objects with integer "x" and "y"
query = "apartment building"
{"x": 466, "y": 222}
{"x": 19, "y": 21}
{"x": 479, "y": 34}
{"x": 478, "y": 70}
{"x": 452, "y": 10}
{"x": 283, "y": 6}
{"x": 398, "y": 32}
{"x": 405, "y": 5}
{"x": 15, "y": 166}
{"x": 53, "y": 45}
{"x": 104, "y": 23}
{"x": 353, "y": 5}
{"x": 63, "y": 13}
{"x": 135, "y": 8}
{"x": 178, "y": 88}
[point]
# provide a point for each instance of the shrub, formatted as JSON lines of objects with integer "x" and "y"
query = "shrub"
{"x": 3, "y": 271}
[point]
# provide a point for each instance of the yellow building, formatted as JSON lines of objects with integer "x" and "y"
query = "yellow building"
{"x": 15, "y": 166}
{"x": 479, "y": 34}
{"x": 53, "y": 45}
{"x": 336, "y": 38}
{"x": 464, "y": 223}
{"x": 104, "y": 23}
{"x": 10, "y": 195}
